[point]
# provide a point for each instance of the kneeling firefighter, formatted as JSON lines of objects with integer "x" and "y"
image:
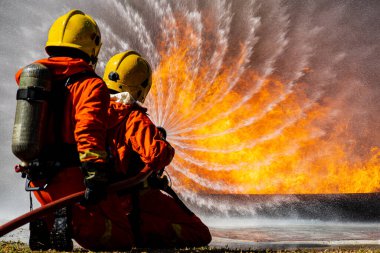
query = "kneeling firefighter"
{"x": 60, "y": 126}
{"x": 145, "y": 216}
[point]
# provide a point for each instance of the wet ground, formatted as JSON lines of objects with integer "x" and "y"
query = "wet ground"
{"x": 276, "y": 234}
{"x": 292, "y": 234}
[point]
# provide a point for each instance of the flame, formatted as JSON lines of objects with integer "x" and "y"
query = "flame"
{"x": 276, "y": 140}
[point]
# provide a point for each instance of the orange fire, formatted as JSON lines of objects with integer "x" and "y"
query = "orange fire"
{"x": 276, "y": 140}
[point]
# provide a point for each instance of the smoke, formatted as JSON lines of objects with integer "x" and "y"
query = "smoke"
{"x": 346, "y": 50}
{"x": 336, "y": 41}
{"x": 330, "y": 45}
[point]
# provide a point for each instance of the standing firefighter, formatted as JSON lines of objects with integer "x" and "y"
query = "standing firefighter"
{"x": 155, "y": 219}
{"x": 60, "y": 126}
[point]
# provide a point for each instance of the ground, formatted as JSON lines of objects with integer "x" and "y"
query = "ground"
{"x": 263, "y": 237}
{"x": 23, "y": 248}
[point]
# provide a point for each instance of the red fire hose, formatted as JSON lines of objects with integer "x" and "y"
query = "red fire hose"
{"x": 68, "y": 200}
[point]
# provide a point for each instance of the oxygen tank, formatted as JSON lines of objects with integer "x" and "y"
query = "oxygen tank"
{"x": 31, "y": 112}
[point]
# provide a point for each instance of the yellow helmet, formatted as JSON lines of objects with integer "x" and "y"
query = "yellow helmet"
{"x": 75, "y": 30}
{"x": 128, "y": 71}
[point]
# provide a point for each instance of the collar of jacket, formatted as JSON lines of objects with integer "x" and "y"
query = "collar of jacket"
{"x": 62, "y": 67}
{"x": 123, "y": 98}
{"x": 118, "y": 111}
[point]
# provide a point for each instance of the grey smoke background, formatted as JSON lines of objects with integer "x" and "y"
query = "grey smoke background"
{"x": 337, "y": 40}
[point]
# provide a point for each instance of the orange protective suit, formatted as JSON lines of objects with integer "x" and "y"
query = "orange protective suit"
{"x": 83, "y": 125}
{"x": 135, "y": 143}
{"x": 135, "y": 140}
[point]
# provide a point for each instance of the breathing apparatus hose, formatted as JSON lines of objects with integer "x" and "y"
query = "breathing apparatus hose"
{"x": 71, "y": 199}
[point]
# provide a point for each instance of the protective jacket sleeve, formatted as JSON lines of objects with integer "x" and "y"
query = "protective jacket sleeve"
{"x": 144, "y": 138}
{"x": 90, "y": 104}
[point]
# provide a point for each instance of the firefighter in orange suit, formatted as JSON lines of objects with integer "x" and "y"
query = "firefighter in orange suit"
{"x": 75, "y": 159}
{"x": 146, "y": 216}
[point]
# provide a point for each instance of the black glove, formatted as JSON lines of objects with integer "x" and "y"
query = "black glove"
{"x": 157, "y": 181}
{"x": 95, "y": 180}
{"x": 162, "y": 132}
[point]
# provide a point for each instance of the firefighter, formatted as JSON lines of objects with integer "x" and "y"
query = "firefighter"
{"x": 75, "y": 157}
{"x": 155, "y": 219}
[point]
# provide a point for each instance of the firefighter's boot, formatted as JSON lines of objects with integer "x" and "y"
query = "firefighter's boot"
{"x": 39, "y": 235}
{"x": 60, "y": 236}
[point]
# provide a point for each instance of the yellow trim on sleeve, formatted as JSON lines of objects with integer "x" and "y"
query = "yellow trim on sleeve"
{"x": 91, "y": 154}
